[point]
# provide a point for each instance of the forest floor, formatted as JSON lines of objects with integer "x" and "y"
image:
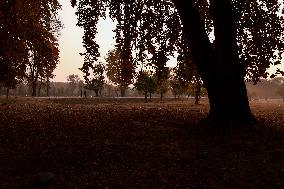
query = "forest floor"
{"x": 125, "y": 143}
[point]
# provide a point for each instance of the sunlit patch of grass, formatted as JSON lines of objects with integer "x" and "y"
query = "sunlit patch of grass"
{"x": 270, "y": 114}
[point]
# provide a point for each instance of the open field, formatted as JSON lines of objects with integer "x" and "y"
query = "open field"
{"x": 125, "y": 143}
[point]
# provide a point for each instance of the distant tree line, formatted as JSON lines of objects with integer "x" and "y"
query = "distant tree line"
{"x": 145, "y": 85}
{"x": 108, "y": 80}
{"x": 155, "y": 78}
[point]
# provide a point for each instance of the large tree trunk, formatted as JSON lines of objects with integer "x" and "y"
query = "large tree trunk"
{"x": 219, "y": 67}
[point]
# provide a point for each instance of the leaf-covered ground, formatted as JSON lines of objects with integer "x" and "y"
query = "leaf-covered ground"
{"x": 125, "y": 143}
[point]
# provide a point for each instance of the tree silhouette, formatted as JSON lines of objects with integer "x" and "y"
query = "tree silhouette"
{"x": 28, "y": 38}
{"x": 96, "y": 83}
{"x": 177, "y": 88}
{"x": 247, "y": 34}
{"x": 188, "y": 76}
{"x": 146, "y": 84}
{"x": 73, "y": 82}
{"x": 117, "y": 71}
{"x": 163, "y": 87}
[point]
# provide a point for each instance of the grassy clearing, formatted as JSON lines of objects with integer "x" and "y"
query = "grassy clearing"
{"x": 125, "y": 143}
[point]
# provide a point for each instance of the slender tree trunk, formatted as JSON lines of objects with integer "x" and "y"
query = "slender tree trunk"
{"x": 100, "y": 92}
{"x": 7, "y": 92}
{"x": 122, "y": 91}
{"x": 146, "y": 95}
{"x": 197, "y": 98}
{"x": 34, "y": 85}
{"x": 161, "y": 96}
{"x": 34, "y": 78}
{"x": 39, "y": 87}
{"x": 47, "y": 91}
{"x": 150, "y": 97}
{"x": 47, "y": 86}
{"x": 219, "y": 67}
{"x": 197, "y": 92}
{"x": 116, "y": 92}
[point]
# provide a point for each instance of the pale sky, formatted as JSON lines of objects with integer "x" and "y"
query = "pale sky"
{"x": 70, "y": 43}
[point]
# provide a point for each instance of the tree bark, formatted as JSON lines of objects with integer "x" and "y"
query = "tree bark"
{"x": 7, "y": 93}
{"x": 197, "y": 92}
{"x": 122, "y": 91}
{"x": 146, "y": 95}
{"x": 161, "y": 96}
{"x": 197, "y": 98}
{"x": 39, "y": 88}
{"x": 34, "y": 85}
{"x": 219, "y": 67}
{"x": 97, "y": 93}
{"x": 47, "y": 86}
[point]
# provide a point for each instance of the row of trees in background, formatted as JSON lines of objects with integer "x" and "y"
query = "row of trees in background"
{"x": 153, "y": 78}
{"x": 74, "y": 86}
{"x": 145, "y": 84}
{"x": 108, "y": 79}
{"x": 156, "y": 78}
{"x": 149, "y": 83}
